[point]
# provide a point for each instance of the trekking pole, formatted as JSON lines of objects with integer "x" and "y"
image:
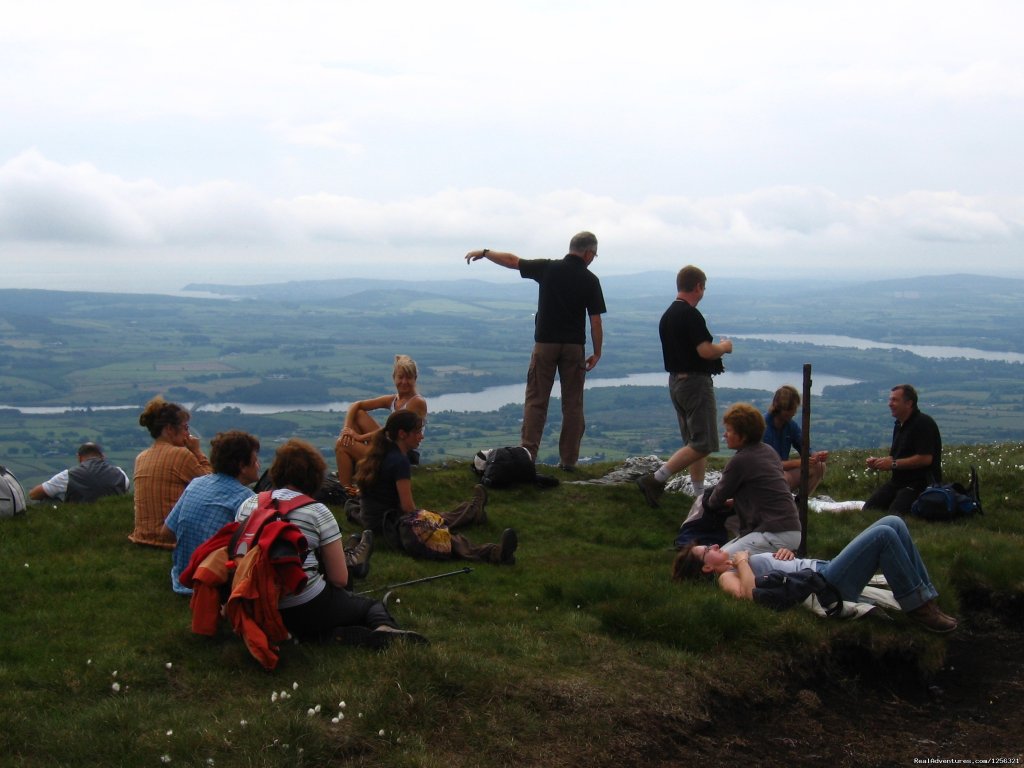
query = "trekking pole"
{"x": 389, "y": 588}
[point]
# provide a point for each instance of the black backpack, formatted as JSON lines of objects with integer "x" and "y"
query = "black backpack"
{"x": 950, "y": 501}
{"x": 330, "y": 492}
{"x": 508, "y": 466}
{"x": 781, "y": 591}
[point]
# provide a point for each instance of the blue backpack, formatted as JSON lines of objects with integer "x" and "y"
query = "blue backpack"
{"x": 950, "y": 501}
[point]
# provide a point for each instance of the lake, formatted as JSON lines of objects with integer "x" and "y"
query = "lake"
{"x": 849, "y": 342}
{"x": 493, "y": 398}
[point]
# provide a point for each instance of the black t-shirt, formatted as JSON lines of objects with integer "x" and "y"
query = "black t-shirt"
{"x": 569, "y": 294}
{"x": 683, "y": 329}
{"x": 382, "y": 497}
{"x": 918, "y": 435}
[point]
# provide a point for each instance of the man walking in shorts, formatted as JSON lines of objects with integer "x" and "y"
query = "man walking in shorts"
{"x": 691, "y": 358}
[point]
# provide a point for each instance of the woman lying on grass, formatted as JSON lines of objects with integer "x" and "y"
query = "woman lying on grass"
{"x": 324, "y": 608}
{"x": 884, "y": 545}
{"x": 386, "y": 505}
{"x": 360, "y": 427}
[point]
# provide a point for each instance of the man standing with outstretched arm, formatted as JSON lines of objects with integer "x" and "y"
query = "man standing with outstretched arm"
{"x": 691, "y": 359}
{"x": 569, "y": 293}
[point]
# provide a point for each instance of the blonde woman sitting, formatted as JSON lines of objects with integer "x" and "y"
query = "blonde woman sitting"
{"x": 353, "y": 443}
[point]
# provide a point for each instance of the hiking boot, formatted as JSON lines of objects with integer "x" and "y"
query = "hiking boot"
{"x": 932, "y": 618}
{"x": 394, "y": 633}
{"x": 357, "y": 557}
{"x": 651, "y": 488}
{"x": 509, "y": 544}
{"x": 378, "y": 639}
{"x": 479, "y": 504}
{"x": 363, "y": 637}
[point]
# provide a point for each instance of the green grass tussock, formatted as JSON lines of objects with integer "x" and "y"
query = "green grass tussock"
{"x": 582, "y": 652}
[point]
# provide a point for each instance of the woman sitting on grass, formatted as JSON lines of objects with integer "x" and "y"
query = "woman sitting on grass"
{"x": 163, "y": 470}
{"x": 754, "y": 486}
{"x": 782, "y": 433}
{"x": 386, "y": 504}
{"x": 884, "y": 545}
{"x": 324, "y": 608}
{"x": 360, "y": 427}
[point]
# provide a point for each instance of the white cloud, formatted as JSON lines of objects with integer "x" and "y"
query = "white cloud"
{"x": 41, "y": 200}
{"x": 794, "y": 132}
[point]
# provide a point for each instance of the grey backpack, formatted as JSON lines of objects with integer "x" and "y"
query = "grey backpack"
{"x": 12, "y": 495}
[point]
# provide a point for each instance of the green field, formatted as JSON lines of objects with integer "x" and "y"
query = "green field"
{"x": 580, "y": 654}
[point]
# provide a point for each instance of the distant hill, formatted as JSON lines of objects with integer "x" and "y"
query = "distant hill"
{"x": 642, "y": 284}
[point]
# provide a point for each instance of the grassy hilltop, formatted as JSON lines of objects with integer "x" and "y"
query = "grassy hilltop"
{"x": 583, "y": 654}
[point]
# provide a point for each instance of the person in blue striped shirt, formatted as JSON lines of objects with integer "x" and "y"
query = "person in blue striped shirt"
{"x": 210, "y": 502}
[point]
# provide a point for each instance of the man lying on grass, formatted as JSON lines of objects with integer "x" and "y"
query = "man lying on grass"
{"x": 884, "y": 545}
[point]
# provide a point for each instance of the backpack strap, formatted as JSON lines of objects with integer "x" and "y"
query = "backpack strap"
{"x": 267, "y": 509}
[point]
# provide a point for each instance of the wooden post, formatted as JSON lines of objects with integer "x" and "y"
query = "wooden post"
{"x": 805, "y": 459}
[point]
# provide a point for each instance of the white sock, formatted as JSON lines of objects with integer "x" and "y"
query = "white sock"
{"x": 661, "y": 474}
{"x": 698, "y": 489}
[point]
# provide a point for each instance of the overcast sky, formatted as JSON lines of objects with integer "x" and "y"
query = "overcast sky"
{"x": 146, "y": 145}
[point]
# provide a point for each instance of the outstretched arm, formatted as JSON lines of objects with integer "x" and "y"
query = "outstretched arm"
{"x": 509, "y": 260}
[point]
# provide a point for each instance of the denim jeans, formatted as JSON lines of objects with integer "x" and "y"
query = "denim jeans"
{"x": 884, "y": 545}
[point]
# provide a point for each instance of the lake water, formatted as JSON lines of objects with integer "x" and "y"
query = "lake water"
{"x": 849, "y": 342}
{"x": 493, "y": 398}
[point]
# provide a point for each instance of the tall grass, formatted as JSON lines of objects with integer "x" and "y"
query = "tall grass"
{"x": 580, "y": 652}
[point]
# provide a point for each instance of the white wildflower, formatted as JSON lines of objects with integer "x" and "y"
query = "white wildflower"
{"x": 170, "y": 732}
{"x": 334, "y": 721}
{"x": 295, "y": 686}
{"x": 273, "y": 697}
{"x": 317, "y": 709}
{"x": 342, "y": 705}
{"x": 310, "y": 712}
{"x": 115, "y": 687}
{"x": 168, "y": 665}
{"x": 380, "y": 732}
{"x": 243, "y": 723}
{"x": 165, "y": 758}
